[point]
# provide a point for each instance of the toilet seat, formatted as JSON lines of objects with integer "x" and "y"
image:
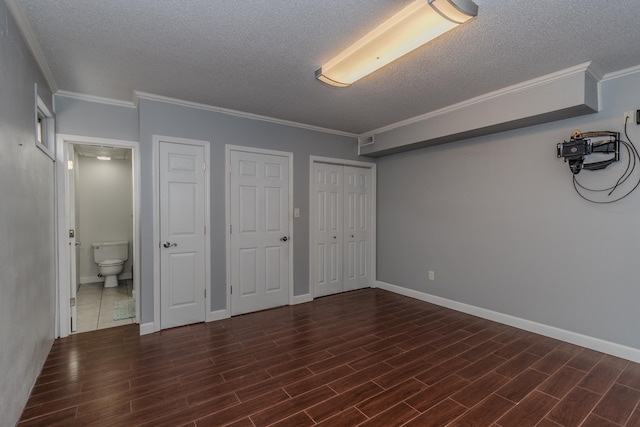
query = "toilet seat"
{"x": 111, "y": 263}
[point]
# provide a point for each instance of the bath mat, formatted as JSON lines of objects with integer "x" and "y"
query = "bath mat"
{"x": 125, "y": 309}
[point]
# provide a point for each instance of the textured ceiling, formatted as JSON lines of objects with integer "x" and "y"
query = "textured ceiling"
{"x": 259, "y": 56}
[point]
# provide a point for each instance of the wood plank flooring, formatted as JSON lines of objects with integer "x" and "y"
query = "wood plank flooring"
{"x": 369, "y": 358}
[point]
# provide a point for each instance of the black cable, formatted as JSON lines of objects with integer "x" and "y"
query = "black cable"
{"x": 633, "y": 152}
{"x": 621, "y": 181}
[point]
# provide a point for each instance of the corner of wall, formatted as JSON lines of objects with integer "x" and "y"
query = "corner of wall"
{"x": 596, "y": 344}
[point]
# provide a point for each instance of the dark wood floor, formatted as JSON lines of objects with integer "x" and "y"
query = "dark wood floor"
{"x": 367, "y": 357}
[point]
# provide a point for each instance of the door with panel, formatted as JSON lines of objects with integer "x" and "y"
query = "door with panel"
{"x": 259, "y": 240}
{"x": 328, "y": 250}
{"x": 357, "y": 228}
{"x": 341, "y": 228}
{"x": 182, "y": 231}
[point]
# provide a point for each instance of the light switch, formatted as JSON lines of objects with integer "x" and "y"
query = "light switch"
{"x": 296, "y": 213}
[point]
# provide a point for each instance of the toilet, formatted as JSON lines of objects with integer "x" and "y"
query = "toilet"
{"x": 110, "y": 257}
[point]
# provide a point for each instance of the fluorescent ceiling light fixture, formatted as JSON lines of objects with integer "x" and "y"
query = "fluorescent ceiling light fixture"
{"x": 103, "y": 158}
{"x": 415, "y": 25}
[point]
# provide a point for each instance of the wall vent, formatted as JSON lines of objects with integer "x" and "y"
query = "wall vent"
{"x": 365, "y": 140}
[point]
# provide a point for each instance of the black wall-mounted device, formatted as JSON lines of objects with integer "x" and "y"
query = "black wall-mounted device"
{"x": 580, "y": 145}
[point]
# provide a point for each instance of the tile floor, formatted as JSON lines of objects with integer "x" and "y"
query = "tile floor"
{"x": 367, "y": 358}
{"x": 95, "y": 305}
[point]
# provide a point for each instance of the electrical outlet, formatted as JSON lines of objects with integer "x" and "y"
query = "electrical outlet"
{"x": 432, "y": 275}
{"x": 634, "y": 117}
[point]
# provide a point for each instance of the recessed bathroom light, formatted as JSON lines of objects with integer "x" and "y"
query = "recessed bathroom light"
{"x": 103, "y": 158}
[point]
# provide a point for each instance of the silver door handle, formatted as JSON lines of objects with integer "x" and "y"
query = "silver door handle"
{"x": 168, "y": 244}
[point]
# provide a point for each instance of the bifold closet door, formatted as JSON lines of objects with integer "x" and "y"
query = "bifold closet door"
{"x": 342, "y": 228}
{"x": 328, "y": 229}
{"x": 357, "y": 228}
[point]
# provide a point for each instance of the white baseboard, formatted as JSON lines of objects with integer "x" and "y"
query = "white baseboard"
{"x": 212, "y": 316}
{"x": 95, "y": 279}
{"x": 301, "y": 299}
{"x": 596, "y": 344}
{"x": 147, "y": 328}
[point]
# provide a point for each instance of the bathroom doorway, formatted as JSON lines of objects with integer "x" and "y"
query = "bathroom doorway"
{"x": 103, "y": 208}
{"x": 98, "y": 230}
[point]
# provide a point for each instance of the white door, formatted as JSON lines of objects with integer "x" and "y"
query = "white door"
{"x": 73, "y": 242}
{"x": 342, "y": 228}
{"x": 182, "y": 234}
{"x": 357, "y": 228}
{"x": 259, "y": 239}
{"x": 328, "y": 228}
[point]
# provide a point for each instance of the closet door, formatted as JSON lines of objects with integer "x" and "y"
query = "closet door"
{"x": 328, "y": 229}
{"x": 357, "y": 228}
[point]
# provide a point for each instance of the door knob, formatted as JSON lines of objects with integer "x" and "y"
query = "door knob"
{"x": 284, "y": 239}
{"x": 168, "y": 244}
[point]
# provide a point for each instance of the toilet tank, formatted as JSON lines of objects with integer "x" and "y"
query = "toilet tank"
{"x": 105, "y": 251}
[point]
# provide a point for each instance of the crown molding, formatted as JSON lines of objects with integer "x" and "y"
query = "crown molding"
{"x": 23, "y": 24}
{"x": 97, "y": 99}
{"x": 587, "y": 67}
{"x": 595, "y": 71}
{"x": 159, "y": 98}
{"x": 622, "y": 73}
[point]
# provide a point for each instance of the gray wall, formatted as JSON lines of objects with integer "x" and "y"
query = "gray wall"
{"x": 497, "y": 219}
{"x": 104, "y": 212}
{"x": 27, "y": 269}
{"x": 158, "y": 118}
{"x": 75, "y": 117}
{"x": 81, "y": 117}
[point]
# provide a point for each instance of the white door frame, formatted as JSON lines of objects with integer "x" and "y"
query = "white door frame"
{"x": 62, "y": 145}
{"x": 156, "y": 225}
{"x": 227, "y": 195}
{"x": 312, "y": 215}
{"x": 70, "y": 199}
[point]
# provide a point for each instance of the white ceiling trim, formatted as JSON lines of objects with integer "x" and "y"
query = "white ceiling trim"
{"x": 98, "y": 99}
{"x": 588, "y": 67}
{"x": 20, "y": 17}
{"x": 149, "y": 96}
{"x": 622, "y": 73}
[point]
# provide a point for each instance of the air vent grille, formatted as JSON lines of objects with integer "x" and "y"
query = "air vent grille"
{"x": 365, "y": 140}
